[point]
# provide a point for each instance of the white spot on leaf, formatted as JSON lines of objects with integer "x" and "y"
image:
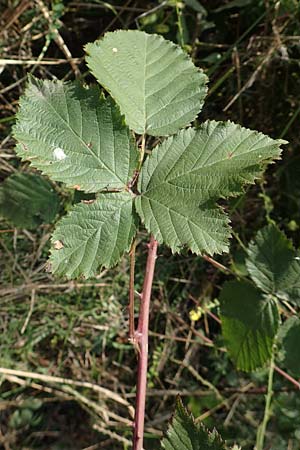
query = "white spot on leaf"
{"x": 59, "y": 154}
{"x": 115, "y": 50}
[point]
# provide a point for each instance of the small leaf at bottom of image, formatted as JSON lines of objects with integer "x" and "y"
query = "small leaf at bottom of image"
{"x": 250, "y": 321}
{"x": 184, "y": 433}
{"x": 93, "y": 235}
{"x": 28, "y": 200}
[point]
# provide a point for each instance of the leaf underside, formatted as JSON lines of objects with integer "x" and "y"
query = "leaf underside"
{"x": 249, "y": 324}
{"x": 27, "y": 200}
{"x": 93, "y": 235}
{"x": 156, "y": 84}
{"x": 186, "y": 174}
{"x": 74, "y": 135}
{"x": 274, "y": 264}
{"x": 185, "y": 434}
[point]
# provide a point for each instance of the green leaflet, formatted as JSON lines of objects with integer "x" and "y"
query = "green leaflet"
{"x": 289, "y": 336}
{"x": 156, "y": 84}
{"x": 185, "y": 434}
{"x": 249, "y": 324}
{"x": 73, "y": 135}
{"x": 274, "y": 264}
{"x": 187, "y": 173}
{"x": 27, "y": 200}
{"x": 93, "y": 235}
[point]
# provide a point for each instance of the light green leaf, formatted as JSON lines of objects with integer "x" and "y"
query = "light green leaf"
{"x": 93, "y": 235}
{"x": 156, "y": 84}
{"x": 249, "y": 324}
{"x": 290, "y": 340}
{"x": 27, "y": 200}
{"x": 187, "y": 173}
{"x": 75, "y": 136}
{"x": 274, "y": 265}
{"x": 186, "y": 434}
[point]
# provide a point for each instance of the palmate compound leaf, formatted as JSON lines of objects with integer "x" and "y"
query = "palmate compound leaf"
{"x": 250, "y": 322}
{"x": 185, "y": 175}
{"x": 274, "y": 264}
{"x": 156, "y": 84}
{"x": 74, "y": 135}
{"x": 185, "y": 434}
{"x": 93, "y": 235}
{"x": 27, "y": 200}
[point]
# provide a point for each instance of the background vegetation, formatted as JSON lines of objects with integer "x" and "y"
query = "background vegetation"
{"x": 72, "y": 337}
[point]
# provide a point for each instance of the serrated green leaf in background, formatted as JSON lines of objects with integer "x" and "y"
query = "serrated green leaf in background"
{"x": 249, "y": 324}
{"x": 156, "y": 84}
{"x": 185, "y": 175}
{"x": 196, "y": 6}
{"x": 274, "y": 264}
{"x": 28, "y": 200}
{"x": 74, "y": 135}
{"x": 290, "y": 337}
{"x": 94, "y": 234}
{"x": 185, "y": 434}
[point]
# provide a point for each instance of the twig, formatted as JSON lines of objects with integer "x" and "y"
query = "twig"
{"x": 58, "y": 38}
{"x": 45, "y": 62}
{"x": 215, "y": 263}
{"x": 111, "y": 434}
{"x": 141, "y": 337}
{"x": 287, "y": 377}
{"x": 23, "y": 329}
{"x": 51, "y": 379}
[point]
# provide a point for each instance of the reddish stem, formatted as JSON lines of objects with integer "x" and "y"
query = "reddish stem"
{"x": 141, "y": 338}
{"x": 287, "y": 377}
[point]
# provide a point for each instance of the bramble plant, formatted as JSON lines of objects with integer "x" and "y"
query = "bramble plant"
{"x": 77, "y": 135}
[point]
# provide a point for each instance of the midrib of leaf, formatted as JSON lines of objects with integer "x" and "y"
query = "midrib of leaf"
{"x": 145, "y": 71}
{"x": 80, "y": 137}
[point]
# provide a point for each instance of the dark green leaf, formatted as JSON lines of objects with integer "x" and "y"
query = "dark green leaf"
{"x": 27, "y": 200}
{"x": 249, "y": 324}
{"x": 290, "y": 338}
{"x": 274, "y": 265}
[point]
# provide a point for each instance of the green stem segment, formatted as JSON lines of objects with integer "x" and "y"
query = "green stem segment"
{"x": 260, "y": 438}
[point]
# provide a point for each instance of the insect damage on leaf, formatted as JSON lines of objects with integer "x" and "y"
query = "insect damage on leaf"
{"x": 58, "y": 245}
